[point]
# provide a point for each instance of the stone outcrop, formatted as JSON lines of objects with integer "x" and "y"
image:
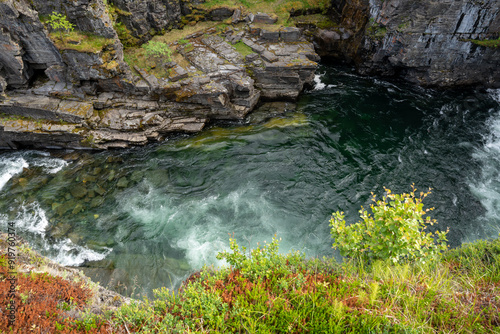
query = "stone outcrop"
{"x": 26, "y": 48}
{"x": 62, "y": 97}
{"x": 425, "y": 42}
{"x": 145, "y": 18}
{"x": 86, "y": 15}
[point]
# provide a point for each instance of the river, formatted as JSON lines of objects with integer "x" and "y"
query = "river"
{"x": 142, "y": 218}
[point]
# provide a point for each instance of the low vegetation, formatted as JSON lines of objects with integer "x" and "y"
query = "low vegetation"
{"x": 65, "y": 37}
{"x": 263, "y": 291}
{"x": 243, "y": 49}
{"x": 489, "y": 43}
{"x": 80, "y": 41}
{"x": 395, "y": 231}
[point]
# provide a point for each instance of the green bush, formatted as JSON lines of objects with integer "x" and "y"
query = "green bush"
{"x": 58, "y": 21}
{"x": 157, "y": 50}
{"x": 395, "y": 232}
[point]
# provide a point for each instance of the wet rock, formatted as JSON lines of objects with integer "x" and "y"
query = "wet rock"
{"x": 60, "y": 230}
{"x": 96, "y": 171}
{"x": 122, "y": 183}
{"x": 431, "y": 47}
{"x": 106, "y": 107}
{"x": 77, "y": 209}
{"x": 65, "y": 207}
{"x": 23, "y": 182}
{"x": 111, "y": 175}
{"x": 136, "y": 176}
{"x": 78, "y": 191}
{"x": 75, "y": 238}
{"x": 55, "y": 206}
{"x": 99, "y": 190}
{"x": 96, "y": 202}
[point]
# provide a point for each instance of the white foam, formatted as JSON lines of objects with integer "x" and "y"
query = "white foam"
{"x": 487, "y": 187}
{"x": 10, "y": 167}
{"x": 318, "y": 85}
{"x": 70, "y": 254}
{"x": 50, "y": 165}
{"x": 15, "y": 163}
{"x": 31, "y": 219}
{"x": 200, "y": 227}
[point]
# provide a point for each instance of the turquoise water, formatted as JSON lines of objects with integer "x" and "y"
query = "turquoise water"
{"x": 147, "y": 217}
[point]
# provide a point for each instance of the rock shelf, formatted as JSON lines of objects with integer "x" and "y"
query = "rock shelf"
{"x": 96, "y": 101}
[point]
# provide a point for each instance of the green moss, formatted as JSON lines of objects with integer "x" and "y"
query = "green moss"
{"x": 80, "y": 41}
{"x": 318, "y": 20}
{"x": 125, "y": 35}
{"x": 243, "y": 49}
{"x": 188, "y": 47}
{"x": 376, "y": 30}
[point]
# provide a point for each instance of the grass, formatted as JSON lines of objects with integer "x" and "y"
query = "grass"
{"x": 80, "y": 41}
{"x": 152, "y": 65}
{"x": 242, "y": 48}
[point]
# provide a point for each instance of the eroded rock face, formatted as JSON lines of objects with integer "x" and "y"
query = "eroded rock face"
{"x": 92, "y": 103}
{"x": 25, "y": 45}
{"x": 425, "y": 42}
{"x": 86, "y": 15}
{"x": 145, "y": 18}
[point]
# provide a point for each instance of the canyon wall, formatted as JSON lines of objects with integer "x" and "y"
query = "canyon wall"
{"x": 430, "y": 43}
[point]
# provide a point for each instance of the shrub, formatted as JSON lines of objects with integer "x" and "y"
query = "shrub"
{"x": 57, "y": 21}
{"x": 261, "y": 262}
{"x": 157, "y": 50}
{"x": 395, "y": 232}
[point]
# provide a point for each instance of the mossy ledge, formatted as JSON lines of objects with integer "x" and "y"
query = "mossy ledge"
{"x": 273, "y": 293}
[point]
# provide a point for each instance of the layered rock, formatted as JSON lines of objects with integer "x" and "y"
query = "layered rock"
{"x": 26, "y": 48}
{"x": 70, "y": 98}
{"x": 425, "y": 42}
{"x": 145, "y": 18}
{"x": 86, "y": 15}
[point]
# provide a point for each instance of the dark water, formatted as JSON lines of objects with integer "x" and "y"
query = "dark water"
{"x": 148, "y": 217}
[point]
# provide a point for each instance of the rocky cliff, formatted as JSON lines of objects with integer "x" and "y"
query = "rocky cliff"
{"x": 73, "y": 89}
{"x": 431, "y": 43}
